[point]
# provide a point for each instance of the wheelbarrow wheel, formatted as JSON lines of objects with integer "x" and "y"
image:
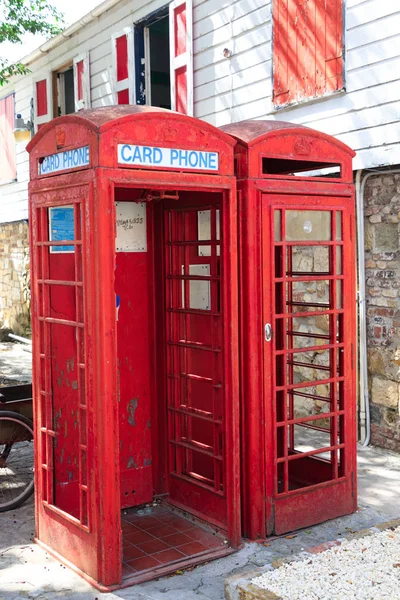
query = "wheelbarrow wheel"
{"x": 16, "y": 460}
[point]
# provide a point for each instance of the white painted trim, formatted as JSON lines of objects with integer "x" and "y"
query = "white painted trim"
{"x": 189, "y": 52}
{"x": 61, "y": 92}
{"x": 85, "y": 102}
{"x": 147, "y": 65}
{"x": 183, "y": 59}
{"x": 129, "y": 83}
{"x": 49, "y": 90}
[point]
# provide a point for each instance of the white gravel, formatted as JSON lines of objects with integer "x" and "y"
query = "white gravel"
{"x": 363, "y": 569}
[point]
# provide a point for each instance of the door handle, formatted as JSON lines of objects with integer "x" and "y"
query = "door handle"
{"x": 268, "y": 332}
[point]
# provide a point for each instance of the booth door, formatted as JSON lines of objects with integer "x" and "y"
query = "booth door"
{"x": 66, "y": 504}
{"x": 196, "y": 396}
{"x": 309, "y": 333}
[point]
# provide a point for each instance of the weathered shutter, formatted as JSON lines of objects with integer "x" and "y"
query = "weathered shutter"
{"x": 123, "y": 67}
{"x": 82, "y": 81}
{"x": 280, "y": 51}
{"x": 181, "y": 55}
{"x": 42, "y": 101}
{"x": 307, "y": 49}
{"x": 8, "y": 169}
{"x": 333, "y": 45}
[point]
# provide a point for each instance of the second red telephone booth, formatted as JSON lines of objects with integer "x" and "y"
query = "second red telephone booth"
{"x": 297, "y": 314}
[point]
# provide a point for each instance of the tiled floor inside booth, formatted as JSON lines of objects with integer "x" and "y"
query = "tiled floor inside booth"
{"x": 159, "y": 539}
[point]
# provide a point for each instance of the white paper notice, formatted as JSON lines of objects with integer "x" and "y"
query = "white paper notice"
{"x": 131, "y": 227}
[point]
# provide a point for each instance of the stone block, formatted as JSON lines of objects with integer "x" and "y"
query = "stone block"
{"x": 385, "y": 392}
{"x": 368, "y": 235}
{"x": 376, "y": 362}
{"x": 386, "y": 237}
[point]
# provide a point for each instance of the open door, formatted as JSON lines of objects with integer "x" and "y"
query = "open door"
{"x": 309, "y": 358}
{"x": 201, "y": 444}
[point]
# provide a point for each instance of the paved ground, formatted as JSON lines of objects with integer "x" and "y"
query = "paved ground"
{"x": 15, "y": 362}
{"x": 27, "y": 572}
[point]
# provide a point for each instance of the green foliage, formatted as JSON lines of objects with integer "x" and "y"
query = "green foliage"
{"x": 18, "y": 17}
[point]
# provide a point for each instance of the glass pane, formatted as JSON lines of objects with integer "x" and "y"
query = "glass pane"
{"x": 309, "y": 401}
{"x": 305, "y": 260}
{"x": 309, "y": 366}
{"x": 277, "y": 225}
{"x": 204, "y": 230}
{"x": 306, "y": 296}
{"x": 339, "y": 301}
{"x": 199, "y": 291}
{"x": 309, "y": 331}
{"x": 339, "y": 225}
{"x": 308, "y": 225}
{"x": 313, "y": 435}
{"x": 339, "y": 270}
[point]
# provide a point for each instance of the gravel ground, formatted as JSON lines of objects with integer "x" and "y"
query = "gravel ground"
{"x": 361, "y": 569}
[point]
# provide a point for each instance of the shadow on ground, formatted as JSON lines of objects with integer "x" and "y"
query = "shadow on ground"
{"x": 28, "y": 572}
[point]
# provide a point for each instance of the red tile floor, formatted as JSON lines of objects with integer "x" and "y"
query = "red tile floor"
{"x": 163, "y": 540}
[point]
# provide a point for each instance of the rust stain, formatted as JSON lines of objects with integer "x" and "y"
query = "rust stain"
{"x": 132, "y": 406}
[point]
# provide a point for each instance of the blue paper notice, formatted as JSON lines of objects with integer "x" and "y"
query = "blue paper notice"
{"x": 61, "y": 220}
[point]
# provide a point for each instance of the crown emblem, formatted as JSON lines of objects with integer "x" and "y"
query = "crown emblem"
{"x": 302, "y": 147}
{"x": 170, "y": 134}
{"x": 60, "y": 136}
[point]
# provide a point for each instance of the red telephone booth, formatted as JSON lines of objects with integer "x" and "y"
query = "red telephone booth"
{"x": 298, "y": 326}
{"x": 134, "y": 284}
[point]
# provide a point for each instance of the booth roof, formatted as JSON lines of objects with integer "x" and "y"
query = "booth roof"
{"x": 100, "y": 119}
{"x": 104, "y": 114}
{"x": 254, "y": 132}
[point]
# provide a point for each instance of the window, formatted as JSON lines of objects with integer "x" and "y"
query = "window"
{"x": 153, "y": 61}
{"x": 82, "y": 82}
{"x": 8, "y": 169}
{"x": 62, "y": 92}
{"x": 307, "y": 49}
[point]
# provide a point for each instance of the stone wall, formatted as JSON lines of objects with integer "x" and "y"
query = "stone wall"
{"x": 14, "y": 278}
{"x": 382, "y": 256}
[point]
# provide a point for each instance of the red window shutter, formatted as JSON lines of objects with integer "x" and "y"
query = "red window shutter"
{"x": 334, "y": 46}
{"x": 123, "y": 97}
{"x": 41, "y": 97}
{"x": 280, "y": 51}
{"x": 8, "y": 168}
{"x": 307, "y": 49}
{"x": 79, "y": 72}
{"x": 122, "y": 57}
{"x": 123, "y": 67}
{"x": 42, "y": 100}
{"x": 82, "y": 81}
{"x": 181, "y": 55}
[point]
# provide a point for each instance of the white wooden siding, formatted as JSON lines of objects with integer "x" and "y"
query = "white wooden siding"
{"x": 366, "y": 116}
